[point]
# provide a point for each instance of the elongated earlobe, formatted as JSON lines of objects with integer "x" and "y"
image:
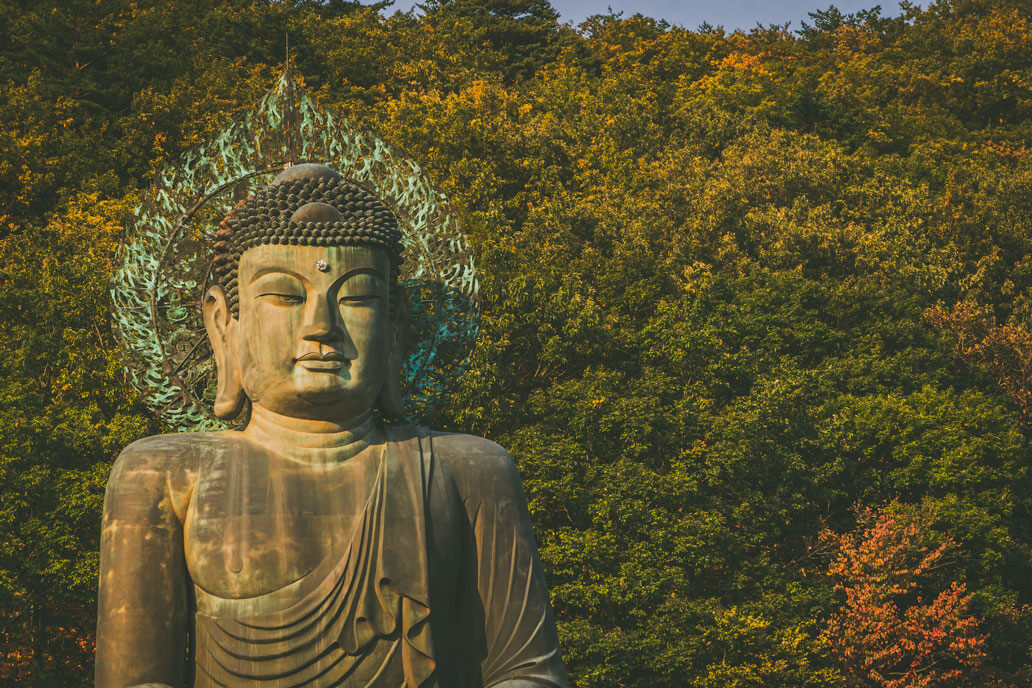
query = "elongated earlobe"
{"x": 390, "y": 401}
{"x": 222, "y": 332}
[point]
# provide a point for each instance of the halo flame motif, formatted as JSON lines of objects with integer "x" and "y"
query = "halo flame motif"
{"x": 167, "y": 252}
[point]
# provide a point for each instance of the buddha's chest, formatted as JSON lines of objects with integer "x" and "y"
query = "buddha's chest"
{"x": 258, "y": 523}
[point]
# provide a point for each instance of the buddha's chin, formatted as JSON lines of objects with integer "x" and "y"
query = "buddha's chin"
{"x": 314, "y": 395}
{"x": 330, "y": 391}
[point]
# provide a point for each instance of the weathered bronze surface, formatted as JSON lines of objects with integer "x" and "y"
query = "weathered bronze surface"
{"x": 318, "y": 546}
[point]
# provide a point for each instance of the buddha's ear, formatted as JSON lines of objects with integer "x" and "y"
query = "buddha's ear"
{"x": 223, "y": 330}
{"x": 390, "y": 401}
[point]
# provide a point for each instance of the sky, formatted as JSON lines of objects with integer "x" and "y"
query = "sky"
{"x": 731, "y": 14}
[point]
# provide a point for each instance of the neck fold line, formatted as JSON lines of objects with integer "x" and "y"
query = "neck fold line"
{"x": 314, "y": 441}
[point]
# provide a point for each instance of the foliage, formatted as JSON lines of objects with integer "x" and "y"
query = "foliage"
{"x": 706, "y": 258}
{"x": 896, "y": 630}
{"x": 1005, "y": 351}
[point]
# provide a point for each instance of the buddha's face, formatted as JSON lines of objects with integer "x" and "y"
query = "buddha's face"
{"x": 313, "y": 333}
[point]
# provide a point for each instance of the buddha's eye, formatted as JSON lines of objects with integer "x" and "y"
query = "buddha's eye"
{"x": 283, "y": 299}
{"x": 280, "y": 290}
{"x": 364, "y": 301}
{"x": 361, "y": 290}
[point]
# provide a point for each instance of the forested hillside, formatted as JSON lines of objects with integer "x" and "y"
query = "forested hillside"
{"x": 757, "y": 321}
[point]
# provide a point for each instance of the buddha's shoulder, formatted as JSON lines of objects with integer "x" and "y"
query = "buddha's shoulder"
{"x": 456, "y": 447}
{"x": 474, "y": 462}
{"x": 172, "y": 452}
{"x": 159, "y": 467}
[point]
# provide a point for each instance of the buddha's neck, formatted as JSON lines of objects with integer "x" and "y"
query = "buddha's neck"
{"x": 314, "y": 441}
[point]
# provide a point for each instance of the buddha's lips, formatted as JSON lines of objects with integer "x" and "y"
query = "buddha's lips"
{"x": 316, "y": 356}
{"x": 330, "y": 361}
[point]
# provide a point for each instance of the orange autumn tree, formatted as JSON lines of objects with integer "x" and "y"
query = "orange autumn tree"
{"x": 900, "y": 625}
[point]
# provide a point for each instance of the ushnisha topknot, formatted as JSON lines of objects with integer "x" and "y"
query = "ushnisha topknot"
{"x": 306, "y": 205}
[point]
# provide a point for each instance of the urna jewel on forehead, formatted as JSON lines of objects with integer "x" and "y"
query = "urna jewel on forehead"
{"x": 306, "y": 205}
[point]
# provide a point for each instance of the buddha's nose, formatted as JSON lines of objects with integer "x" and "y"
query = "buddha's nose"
{"x": 322, "y": 321}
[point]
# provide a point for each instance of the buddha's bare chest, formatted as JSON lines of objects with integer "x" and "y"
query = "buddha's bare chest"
{"x": 257, "y": 524}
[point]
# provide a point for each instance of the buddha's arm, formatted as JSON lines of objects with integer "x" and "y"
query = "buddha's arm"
{"x": 522, "y": 646}
{"x": 143, "y": 609}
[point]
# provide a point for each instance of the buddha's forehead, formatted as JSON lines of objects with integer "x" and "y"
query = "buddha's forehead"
{"x": 314, "y": 263}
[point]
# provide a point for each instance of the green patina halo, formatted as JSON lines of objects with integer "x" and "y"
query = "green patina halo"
{"x": 166, "y": 256}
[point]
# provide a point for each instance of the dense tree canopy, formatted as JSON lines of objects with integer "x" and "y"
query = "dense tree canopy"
{"x": 756, "y": 318}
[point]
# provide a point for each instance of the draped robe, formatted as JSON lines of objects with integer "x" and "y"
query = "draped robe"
{"x": 439, "y": 583}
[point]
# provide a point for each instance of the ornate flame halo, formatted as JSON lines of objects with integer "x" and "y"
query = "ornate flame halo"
{"x": 166, "y": 255}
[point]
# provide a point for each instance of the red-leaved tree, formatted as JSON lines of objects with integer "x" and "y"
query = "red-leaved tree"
{"x": 900, "y": 625}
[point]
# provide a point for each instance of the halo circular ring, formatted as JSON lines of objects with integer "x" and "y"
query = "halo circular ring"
{"x": 166, "y": 256}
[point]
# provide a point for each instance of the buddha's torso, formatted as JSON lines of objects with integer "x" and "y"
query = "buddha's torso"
{"x": 294, "y": 565}
{"x": 408, "y": 562}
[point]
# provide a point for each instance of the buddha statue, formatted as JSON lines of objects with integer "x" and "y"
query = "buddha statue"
{"x": 326, "y": 542}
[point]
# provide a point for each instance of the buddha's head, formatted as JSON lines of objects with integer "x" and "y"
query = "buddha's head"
{"x": 306, "y": 316}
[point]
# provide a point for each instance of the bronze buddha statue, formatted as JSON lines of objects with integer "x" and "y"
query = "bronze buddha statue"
{"x": 318, "y": 545}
